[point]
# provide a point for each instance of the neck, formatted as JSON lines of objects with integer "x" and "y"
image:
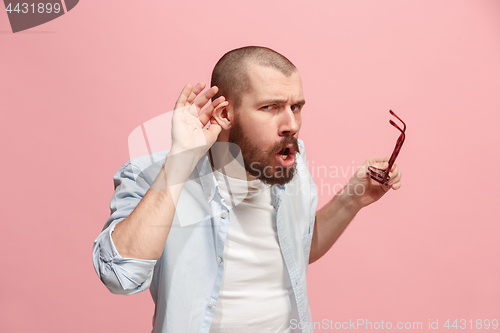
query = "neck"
{"x": 222, "y": 160}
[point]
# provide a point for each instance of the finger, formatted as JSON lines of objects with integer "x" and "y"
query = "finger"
{"x": 203, "y": 99}
{"x": 379, "y": 165}
{"x": 394, "y": 177}
{"x": 394, "y": 171}
{"x": 396, "y": 186}
{"x": 181, "y": 101}
{"x": 207, "y": 113}
{"x": 379, "y": 159}
{"x": 394, "y": 168}
{"x": 215, "y": 129}
{"x": 198, "y": 88}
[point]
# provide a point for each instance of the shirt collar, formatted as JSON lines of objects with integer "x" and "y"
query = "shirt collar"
{"x": 210, "y": 186}
{"x": 206, "y": 177}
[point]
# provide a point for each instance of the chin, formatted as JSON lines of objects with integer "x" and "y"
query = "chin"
{"x": 279, "y": 176}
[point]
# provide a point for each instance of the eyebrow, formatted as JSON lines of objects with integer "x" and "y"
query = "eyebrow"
{"x": 280, "y": 101}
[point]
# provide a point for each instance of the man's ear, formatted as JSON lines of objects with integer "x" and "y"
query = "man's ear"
{"x": 224, "y": 115}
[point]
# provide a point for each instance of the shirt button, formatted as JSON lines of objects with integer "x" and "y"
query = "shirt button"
{"x": 210, "y": 303}
{"x": 209, "y": 197}
{"x": 224, "y": 215}
{"x": 219, "y": 259}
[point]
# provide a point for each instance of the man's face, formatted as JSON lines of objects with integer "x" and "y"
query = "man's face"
{"x": 267, "y": 124}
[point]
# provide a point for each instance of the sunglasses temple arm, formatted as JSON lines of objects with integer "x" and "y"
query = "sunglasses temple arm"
{"x": 404, "y": 125}
{"x": 395, "y": 154}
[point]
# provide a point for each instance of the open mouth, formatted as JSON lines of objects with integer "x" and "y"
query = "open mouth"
{"x": 284, "y": 153}
{"x": 286, "y": 156}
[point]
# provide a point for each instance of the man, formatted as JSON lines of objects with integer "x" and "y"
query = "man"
{"x": 222, "y": 252}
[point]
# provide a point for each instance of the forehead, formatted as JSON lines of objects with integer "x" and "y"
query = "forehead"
{"x": 269, "y": 83}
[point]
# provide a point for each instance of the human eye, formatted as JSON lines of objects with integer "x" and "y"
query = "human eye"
{"x": 296, "y": 107}
{"x": 269, "y": 107}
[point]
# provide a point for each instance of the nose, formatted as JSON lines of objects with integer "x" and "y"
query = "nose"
{"x": 290, "y": 123}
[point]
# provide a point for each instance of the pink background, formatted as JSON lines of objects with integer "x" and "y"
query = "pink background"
{"x": 72, "y": 90}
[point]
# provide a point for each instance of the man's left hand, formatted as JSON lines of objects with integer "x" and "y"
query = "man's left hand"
{"x": 363, "y": 190}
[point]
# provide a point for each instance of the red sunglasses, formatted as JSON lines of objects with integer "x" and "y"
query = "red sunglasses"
{"x": 382, "y": 176}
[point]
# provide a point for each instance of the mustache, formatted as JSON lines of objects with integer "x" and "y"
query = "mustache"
{"x": 289, "y": 140}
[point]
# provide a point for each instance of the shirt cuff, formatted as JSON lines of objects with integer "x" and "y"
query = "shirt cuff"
{"x": 123, "y": 276}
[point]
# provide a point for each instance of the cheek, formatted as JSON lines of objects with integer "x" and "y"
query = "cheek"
{"x": 298, "y": 119}
{"x": 261, "y": 131}
{"x": 264, "y": 134}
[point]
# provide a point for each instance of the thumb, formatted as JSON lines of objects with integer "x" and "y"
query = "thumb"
{"x": 214, "y": 128}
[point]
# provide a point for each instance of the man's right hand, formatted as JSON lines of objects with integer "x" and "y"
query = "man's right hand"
{"x": 188, "y": 124}
{"x": 143, "y": 233}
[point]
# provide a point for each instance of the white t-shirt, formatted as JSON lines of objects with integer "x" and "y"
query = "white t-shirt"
{"x": 256, "y": 291}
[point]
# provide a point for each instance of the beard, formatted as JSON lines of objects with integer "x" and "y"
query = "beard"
{"x": 261, "y": 164}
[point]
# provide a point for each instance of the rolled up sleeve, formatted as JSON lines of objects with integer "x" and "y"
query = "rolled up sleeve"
{"x": 124, "y": 276}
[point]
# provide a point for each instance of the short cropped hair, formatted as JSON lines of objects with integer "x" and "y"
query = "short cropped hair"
{"x": 230, "y": 72}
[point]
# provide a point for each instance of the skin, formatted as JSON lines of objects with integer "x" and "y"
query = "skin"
{"x": 269, "y": 112}
{"x": 269, "y": 117}
{"x": 268, "y": 122}
{"x": 143, "y": 233}
{"x": 335, "y": 216}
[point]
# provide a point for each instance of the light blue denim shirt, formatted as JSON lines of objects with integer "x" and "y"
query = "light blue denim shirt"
{"x": 185, "y": 281}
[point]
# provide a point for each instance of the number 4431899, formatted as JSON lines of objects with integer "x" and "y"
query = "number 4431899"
{"x": 471, "y": 324}
{"x": 31, "y": 8}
